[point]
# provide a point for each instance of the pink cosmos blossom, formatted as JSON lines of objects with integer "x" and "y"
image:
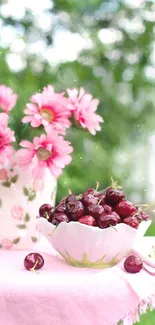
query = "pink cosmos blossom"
{"x": 7, "y": 98}
{"x": 6, "y": 139}
{"x": 49, "y": 151}
{"x": 84, "y": 108}
{"x": 6, "y": 243}
{"x": 3, "y": 174}
{"x": 49, "y": 109}
{"x": 17, "y": 212}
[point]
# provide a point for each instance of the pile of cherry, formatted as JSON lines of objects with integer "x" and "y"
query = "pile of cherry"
{"x": 102, "y": 209}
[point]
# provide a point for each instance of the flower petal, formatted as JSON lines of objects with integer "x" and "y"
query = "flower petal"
{"x": 26, "y": 144}
{"x": 25, "y": 157}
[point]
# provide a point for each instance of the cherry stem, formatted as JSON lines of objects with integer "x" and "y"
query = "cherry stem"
{"x": 146, "y": 207}
{"x": 79, "y": 197}
{"x": 47, "y": 216}
{"x": 97, "y": 186}
{"x": 149, "y": 206}
{"x": 113, "y": 227}
{"x": 142, "y": 205}
{"x": 33, "y": 268}
{"x": 137, "y": 213}
{"x": 53, "y": 231}
{"x": 115, "y": 184}
{"x": 99, "y": 201}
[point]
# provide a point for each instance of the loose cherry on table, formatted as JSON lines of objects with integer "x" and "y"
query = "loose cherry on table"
{"x": 33, "y": 262}
{"x": 133, "y": 264}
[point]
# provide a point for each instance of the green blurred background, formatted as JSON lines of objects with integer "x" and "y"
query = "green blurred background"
{"x": 107, "y": 47}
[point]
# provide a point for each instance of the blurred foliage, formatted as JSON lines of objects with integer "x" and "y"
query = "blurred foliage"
{"x": 113, "y": 70}
{"x": 147, "y": 319}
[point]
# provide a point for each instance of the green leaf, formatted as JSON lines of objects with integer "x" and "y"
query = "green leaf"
{"x": 32, "y": 196}
{"x": 14, "y": 179}
{"x": 27, "y": 217}
{"x": 16, "y": 240}
{"x": 34, "y": 239}
{"x": 21, "y": 226}
{"x": 0, "y": 203}
{"x": 26, "y": 191}
{"x": 6, "y": 184}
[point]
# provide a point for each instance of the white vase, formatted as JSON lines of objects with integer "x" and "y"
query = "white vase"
{"x": 20, "y": 199}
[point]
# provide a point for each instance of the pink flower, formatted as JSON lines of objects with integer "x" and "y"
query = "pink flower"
{"x": 6, "y": 139}
{"x": 49, "y": 151}
{"x": 17, "y": 212}
{"x": 84, "y": 108}
{"x": 38, "y": 185}
{"x": 7, "y": 98}
{"x": 49, "y": 109}
{"x": 3, "y": 174}
{"x": 6, "y": 243}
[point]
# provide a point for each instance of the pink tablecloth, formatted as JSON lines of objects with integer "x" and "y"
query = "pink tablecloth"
{"x": 64, "y": 295}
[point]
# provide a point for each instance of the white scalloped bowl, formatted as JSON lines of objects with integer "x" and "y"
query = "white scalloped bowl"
{"x": 84, "y": 246}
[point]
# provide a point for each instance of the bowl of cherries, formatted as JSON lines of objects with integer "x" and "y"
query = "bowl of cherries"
{"x": 95, "y": 229}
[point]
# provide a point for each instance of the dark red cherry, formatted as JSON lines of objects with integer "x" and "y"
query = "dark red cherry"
{"x": 89, "y": 199}
{"x": 125, "y": 208}
{"x": 107, "y": 220}
{"x": 142, "y": 216}
{"x": 74, "y": 210}
{"x": 95, "y": 210}
{"x": 114, "y": 195}
{"x": 71, "y": 197}
{"x": 63, "y": 201}
{"x": 87, "y": 220}
{"x": 59, "y": 217}
{"x": 90, "y": 191}
{"x": 33, "y": 261}
{"x": 131, "y": 221}
{"x": 133, "y": 264}
{"x": 46, "y": 211}
{"x": 107, "y": 208}
{"x": 61, "y": 208}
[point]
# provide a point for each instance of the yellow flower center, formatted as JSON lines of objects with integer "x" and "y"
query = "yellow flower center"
{"x": 43, "y": 154}
{"x": 47, "y": 114}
